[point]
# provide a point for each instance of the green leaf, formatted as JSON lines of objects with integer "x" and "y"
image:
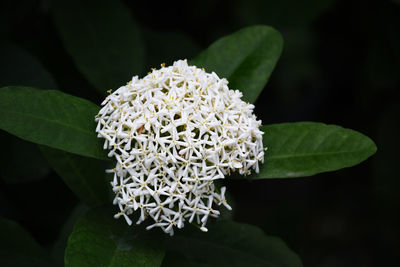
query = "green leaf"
{"x": 86, "y": 177}
{"x": 308, "y": 148}
{"x": 100, "y": 240}
{"x": 102, "y": 38}
{"x": 51, "y": 118}
{"x": 17, "y": 247}
{"x": 230, "y": 244}
{"x": 246, "y": 58}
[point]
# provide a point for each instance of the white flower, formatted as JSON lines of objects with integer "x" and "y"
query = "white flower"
{"x": 172, "y": 134}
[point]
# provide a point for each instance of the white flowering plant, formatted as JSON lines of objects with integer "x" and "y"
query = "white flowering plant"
{"x": 172, "y": 134}
{"x": 159, "y": 152}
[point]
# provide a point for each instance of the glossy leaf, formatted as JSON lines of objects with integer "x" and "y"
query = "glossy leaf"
{"x": 51, "y": 118}
{"x": 102, "y": 38}
{"x": 308, "y": 148}
{"x": 246, "y": 58}
{"x": 18, "y": 248}
{"x": 85, "y": 176}
{"x": 100, "y": 240}
{"x": 229, "y": 243}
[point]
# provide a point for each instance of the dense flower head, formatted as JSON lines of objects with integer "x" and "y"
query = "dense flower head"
{"x": 173, "y": 133}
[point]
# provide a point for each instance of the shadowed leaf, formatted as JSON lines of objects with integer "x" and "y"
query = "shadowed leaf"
{"x": 228, "y": 243}
{"x": 246, "y": 58}
{"x": 86, "y": 177}
{"x": 102, "y": 38}
{"x": 18, "y": 249}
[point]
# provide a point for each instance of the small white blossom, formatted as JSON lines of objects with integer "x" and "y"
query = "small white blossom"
{"x": 173, "y": 133}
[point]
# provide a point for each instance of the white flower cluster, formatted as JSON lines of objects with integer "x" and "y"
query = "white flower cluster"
{"x": 173, "y": 133}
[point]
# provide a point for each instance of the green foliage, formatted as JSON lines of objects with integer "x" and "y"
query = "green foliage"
{"x": 228, "y": 243}
{"x": 100, "y": 240}
{"x": 102, "y": 38}
{"x": 18, "y": 249}
{"x": 246, "y": 58}
{"x": 86, "y": 177}
{"x": 106, "y": 47}
{"x": 51, "y": 118}
{"x": 308, "y": 148}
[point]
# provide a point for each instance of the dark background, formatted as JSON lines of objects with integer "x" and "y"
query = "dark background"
{"x": 340, "y": 65}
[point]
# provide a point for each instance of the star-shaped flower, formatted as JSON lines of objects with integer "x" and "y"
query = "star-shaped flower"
{"x": 173, "y": 133}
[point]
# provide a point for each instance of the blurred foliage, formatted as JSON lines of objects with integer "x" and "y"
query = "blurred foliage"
{"x": 339, "y": 65}
{"x": 228, "y": 244}
{"x": 102, "y": 38}
{"x": 167, "y": 46}
{"x": 17, "y": 248}
{"x": 24, "y": 162}
{"x": 58, "y": 249}
{"x": 84, "y": 176}
{"x": 21, "y": 68}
